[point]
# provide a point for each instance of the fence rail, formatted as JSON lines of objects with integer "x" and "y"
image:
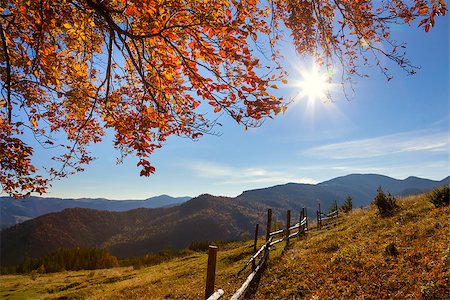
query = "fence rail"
{"x": 256, "y": 255}
{"x": 300, "y": 228}
{"x": 323, "y": 217}
{"x": 216, "y": 295}
{"x": 248, "y": 280}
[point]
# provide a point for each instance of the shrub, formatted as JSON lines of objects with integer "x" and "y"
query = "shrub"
{"x": 440, "y": 196}
{"x": 199, "y": 246}
{"x": 41, "y": 269}
{"x": 391, "y": 250}
{"x": 34, "y": 275}
{"x": 348, "y": 205}
{"x": 386, "y": 204}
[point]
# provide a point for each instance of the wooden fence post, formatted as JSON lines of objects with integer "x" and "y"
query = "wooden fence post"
{"x": 254, "y": 246}
{"x": 337, "y": 209}
{"x": 301, "y": 228}
{"x": 319, "y": 222}
{"x": 288, "y": 224}
{"x": 320, "y": 217}
{"x": 211, "y": 271}
{"x": 269, "y": 223}
{"x": 317, "y": 216}
{"x": 306, "y": 216}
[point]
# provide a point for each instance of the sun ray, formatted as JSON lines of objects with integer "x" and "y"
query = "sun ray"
{"x": 314, "y": 85}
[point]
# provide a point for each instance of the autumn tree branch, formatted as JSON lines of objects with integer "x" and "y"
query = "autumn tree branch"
{"x": 7, "y": 83}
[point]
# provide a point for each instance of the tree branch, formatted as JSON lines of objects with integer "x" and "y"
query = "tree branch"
{"x": 8, "y": 75}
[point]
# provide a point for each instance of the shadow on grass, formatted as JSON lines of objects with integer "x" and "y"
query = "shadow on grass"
{"x": 253, "y": 287}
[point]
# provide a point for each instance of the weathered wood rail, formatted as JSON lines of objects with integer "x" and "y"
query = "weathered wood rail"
{"x": 326, "y": 219}
{"x": 261, "y": 255}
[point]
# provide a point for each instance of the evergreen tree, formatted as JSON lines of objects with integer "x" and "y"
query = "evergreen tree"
{"x": 348, "y": 205}
{"x": 386, "y": 204}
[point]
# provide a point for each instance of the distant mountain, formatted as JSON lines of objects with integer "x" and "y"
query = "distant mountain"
{"x": 204, "y": 218}
{"x": 14, "y": 211}
{"x": 361, "y": 187}
{"x": 133, "y": 232}
{"x": 368, "y": 183}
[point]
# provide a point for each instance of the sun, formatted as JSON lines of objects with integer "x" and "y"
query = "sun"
{"x": 314, "y": 85}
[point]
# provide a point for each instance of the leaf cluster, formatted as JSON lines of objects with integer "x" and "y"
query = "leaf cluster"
{"x": 147, "y": 70}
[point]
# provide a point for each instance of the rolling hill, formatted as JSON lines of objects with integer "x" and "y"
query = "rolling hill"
{"x": 131, "y": 233}
{"x": 204, "y": 218}
{"x": 346, "y": 261}
{"x": 17, "y": 211}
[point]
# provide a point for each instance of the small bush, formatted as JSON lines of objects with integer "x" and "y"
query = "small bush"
{"x": 199, "y": 246}
{"x": 34, "y": 275}
{"x": 391, "y": 250}
{"x": 440, "y": 196}
{"x": 386, "y": 204}
{"x": 41, "y": 269}
{"x": 348, "y": 205}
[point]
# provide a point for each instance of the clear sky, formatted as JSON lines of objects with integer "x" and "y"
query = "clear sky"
{"x": 398, "y": 128}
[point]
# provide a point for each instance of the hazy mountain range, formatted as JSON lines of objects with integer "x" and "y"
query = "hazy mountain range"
{"x": 361, "y": 187}
{"x": 131, "y": 233}
{"x": 14, "y": 211}
{"x": 204, "y": 218}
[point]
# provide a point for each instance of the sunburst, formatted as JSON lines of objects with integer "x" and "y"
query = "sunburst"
{"x": 314, "y": 85}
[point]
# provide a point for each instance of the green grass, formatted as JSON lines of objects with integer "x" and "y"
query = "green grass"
{"x": 345, "y": 261}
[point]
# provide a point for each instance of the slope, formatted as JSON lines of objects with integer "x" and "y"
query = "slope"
{"x": 406, "y": 256}
{"x": 130, "y": 233}
{"x": 348, "y": 261}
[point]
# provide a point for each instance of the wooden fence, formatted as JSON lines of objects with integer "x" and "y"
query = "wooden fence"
{"x": 261, "y": 255}
{"x": 326, "y": 219}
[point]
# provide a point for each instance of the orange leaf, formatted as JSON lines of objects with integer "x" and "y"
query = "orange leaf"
{"x": 423, "y": 10}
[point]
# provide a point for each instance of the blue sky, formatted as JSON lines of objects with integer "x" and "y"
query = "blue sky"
{"x": 398, "y": 128}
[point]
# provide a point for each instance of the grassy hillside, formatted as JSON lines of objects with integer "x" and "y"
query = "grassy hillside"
{"x": 348, "y": 261}
{"x": 354, "y": 260}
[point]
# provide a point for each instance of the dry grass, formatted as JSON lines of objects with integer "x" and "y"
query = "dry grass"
{"x": 347, "y": 261}
{"x": 180, "y": 278}
{"x": 351, "y": 261}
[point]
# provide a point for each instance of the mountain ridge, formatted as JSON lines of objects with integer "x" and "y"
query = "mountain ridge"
{"x": 361, "y": 187}
{"x": 203, "y": 218}
{"x": 16, "y": 211}
{"x": 130, "y": 233}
